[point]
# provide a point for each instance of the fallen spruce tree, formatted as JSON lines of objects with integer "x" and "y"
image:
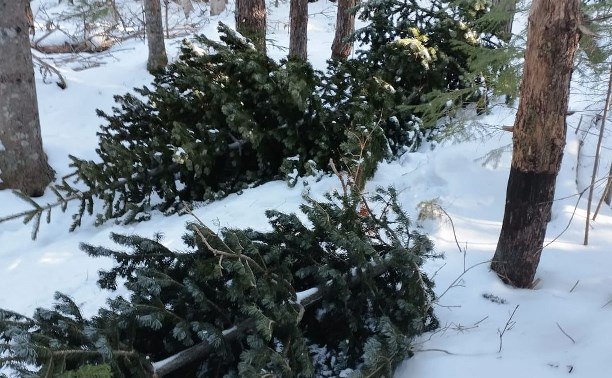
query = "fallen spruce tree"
{"x": 343, "y": 296}
{"x": 225, "y": 117}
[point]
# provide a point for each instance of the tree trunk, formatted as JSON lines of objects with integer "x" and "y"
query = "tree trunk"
{"x": 251, "y": 21}
{"x": 155, "y": 36}
{"x": 23, "y": 163}
{"x": 608, "y": 193}
{"x": 538, "y": 138}
{"x": 30, "y": 18}
{"x": 506, "y": 9}
{"x": 187, "y": 6}
{"x": 217, "y": 7}
{"x": 345, "y": 27}
{"x": 298, "y": 30}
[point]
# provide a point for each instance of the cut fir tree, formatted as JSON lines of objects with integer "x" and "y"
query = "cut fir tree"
{"x": 218, "y": 122}
{"x": 344, "y": 296}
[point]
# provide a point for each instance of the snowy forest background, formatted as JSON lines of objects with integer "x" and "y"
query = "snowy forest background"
{"x": 445, "y": 166}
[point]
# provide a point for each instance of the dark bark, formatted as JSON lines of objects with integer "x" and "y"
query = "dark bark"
{"x": 251, "y": 21}
{"x": 155, "y": 36}
{"x": 345, "y": 27}
{"x": 538, "y": 138}
{"x": 23, "y": 163}
{"x": 506, "y": 9}
{"x": 528, "y": 203}
{"x": 298, "y": 29}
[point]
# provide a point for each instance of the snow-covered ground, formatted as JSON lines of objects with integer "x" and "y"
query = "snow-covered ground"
{"x": 561, "y": 327}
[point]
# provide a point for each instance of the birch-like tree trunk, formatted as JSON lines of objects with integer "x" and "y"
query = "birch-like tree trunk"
{"x": 538, "y": 138}
{"x": 251, "y": 21}
{"x": 23, "y": 163}
{"x": 345, "y": 26}
{"x": 298, "y": 29}
{"x": 155, "y": 36}
{"x": 217, "y": 7}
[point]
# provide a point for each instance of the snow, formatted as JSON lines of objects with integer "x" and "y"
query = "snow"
{"x": 562, "y": 326}
{"x": 305, "y": 294}
{"x": 166, "y": 361}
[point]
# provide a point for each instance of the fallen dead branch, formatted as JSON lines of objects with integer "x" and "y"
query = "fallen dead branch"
{"x": 75, "y": 47}
{"x": 47, "y": 68}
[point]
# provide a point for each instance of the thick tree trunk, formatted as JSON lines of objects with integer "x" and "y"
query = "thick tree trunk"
{"x": 298, "y": 29}
{"x": 507, "y": 9}
{"x": 345, "y": 26}
{"x": 155, "y": 36}
{"x": 251, "y": 21}
{"x": 23, "y": 163}
{"x": 538, "y": 138}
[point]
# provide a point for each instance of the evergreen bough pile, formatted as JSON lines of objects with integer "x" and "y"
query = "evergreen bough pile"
{"x": 222, "y": 118}
{"x": 435, "y": 57}
{"x": 343, "y": 296}
{"x": 225, "y": 116}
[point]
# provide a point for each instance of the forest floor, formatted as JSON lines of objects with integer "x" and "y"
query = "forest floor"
{"x": 561, "y": 327}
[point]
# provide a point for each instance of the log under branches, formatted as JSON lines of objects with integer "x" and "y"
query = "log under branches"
{"x": 200, "y": 351}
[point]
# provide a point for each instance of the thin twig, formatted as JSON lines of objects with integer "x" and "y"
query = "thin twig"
{"x": 454, "y": 283}
{"x": 454, "y": 232}
{"x": 508, "y": 326}
{"x": 565, "y": 333}
{"x": 606, "y": 194}
{"x": 437, "y": 271}
{"x": 436, "y": 350}
{"x": 569, "y": 223}
{"x": 216, "y": 251}
{"x": 597, "y": 153}
{"x": 573, "y": 287}
{"x": 62, "y": 82}
{"x": 340, "y": 177}
{"x": 579, "y": 123}
{"x": 481, "y": 320}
